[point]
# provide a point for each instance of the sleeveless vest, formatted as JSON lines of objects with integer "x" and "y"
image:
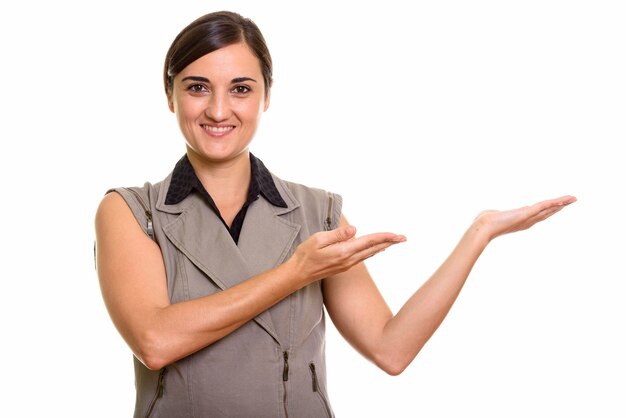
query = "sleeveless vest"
{"x": 274, "y": 365}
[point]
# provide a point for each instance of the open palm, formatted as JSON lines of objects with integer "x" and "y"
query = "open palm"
{"x": 497, "y": 223}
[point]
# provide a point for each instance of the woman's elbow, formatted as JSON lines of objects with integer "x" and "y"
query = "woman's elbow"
{"x": 152, "y": 362}
{"x": 393, "y": 368}
{"x": 150, "y": 350}
{"x": 393, "y": 363}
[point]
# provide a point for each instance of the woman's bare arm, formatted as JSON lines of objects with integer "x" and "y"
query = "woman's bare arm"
{"x": 133, "y": 283}
{"x": 362, "y": 316}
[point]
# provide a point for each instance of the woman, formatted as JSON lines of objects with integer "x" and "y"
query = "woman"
{"x": 217, "y": 276}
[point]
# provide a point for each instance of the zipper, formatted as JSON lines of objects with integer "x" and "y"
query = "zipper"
{"x": 314, "y": 376}
{"x": 285, "y": 379}
{"x": 317, "y": 389}
{"x": 147, "y": 212}
{"x": 328, "y": 222}
{"x": 159, "y": 392}
{"x": 286, "y": 366}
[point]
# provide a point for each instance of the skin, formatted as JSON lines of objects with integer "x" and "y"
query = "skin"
{"x": 218, "y": 101}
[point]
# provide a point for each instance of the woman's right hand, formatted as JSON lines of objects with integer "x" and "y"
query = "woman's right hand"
{"x": 494, "y": 223}
{"x": 330, "y": 252}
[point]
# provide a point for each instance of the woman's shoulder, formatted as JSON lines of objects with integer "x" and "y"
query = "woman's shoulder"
{"x": 140, "y": 200}
{"x": 146, "y": 193}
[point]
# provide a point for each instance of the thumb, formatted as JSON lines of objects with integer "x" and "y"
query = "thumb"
{"x": 343, "y": 233}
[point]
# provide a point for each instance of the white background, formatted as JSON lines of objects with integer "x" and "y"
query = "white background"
{"x": 420, "y": 116}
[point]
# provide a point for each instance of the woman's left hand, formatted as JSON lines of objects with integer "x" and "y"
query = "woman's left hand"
{"x": 495, "y": 223}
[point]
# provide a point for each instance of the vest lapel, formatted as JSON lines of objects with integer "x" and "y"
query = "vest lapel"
{"x": 266, "y": 238}
{"x": 265, "y": 241}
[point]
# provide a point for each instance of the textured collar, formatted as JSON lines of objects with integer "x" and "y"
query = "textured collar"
{"x": 184, "y": 181}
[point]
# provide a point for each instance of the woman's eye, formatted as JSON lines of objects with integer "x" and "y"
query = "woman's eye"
{"x": 241, "y": 89}
{"x": 196, "y": 88}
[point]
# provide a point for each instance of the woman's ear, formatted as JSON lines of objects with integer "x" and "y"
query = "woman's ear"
{"x": 267, "y": 99}
{"x": 170, "y": 102}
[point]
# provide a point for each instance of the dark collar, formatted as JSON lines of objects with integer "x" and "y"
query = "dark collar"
{"x": 184, "y": 181}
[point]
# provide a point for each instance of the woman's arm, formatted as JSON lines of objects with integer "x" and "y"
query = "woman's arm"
{"x": 133, "y": 283}
{"x": 362, "y": 316}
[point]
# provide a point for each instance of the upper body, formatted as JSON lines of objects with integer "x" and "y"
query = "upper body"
{"x": 218, "y": 87}
{"x": 272, "y": 365}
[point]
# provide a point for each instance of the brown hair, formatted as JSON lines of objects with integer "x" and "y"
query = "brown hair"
{"x": 209, "y": 33}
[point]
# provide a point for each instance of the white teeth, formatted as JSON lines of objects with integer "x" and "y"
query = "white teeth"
{"x": 218, "y": 129}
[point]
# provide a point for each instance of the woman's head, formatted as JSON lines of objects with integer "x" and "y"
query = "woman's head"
{"x": 217, "y": 77}
{"x": 210, "y": 33}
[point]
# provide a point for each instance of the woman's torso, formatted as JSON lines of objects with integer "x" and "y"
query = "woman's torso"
{"x": 272, "y": 366}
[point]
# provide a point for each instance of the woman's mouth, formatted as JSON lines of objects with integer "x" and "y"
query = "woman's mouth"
{"x": 217, "y": 130}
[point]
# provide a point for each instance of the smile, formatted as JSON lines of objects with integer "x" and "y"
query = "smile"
{"x": 217, "y": 129}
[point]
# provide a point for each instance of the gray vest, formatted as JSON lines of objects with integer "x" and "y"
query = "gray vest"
{"x": 273, "y": 366}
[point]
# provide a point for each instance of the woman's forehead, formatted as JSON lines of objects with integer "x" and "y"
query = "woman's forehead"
{"x": 232, "y": 61}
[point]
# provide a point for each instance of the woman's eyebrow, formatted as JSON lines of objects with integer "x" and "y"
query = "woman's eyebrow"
{"x": 206, "y": 80}
{"x": 196, "y": 78}
{"x": 241, "y": 79}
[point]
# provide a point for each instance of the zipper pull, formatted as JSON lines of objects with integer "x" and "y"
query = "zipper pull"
{"x": 161, "y": 384}
{"x": 328, "y": 222}
{"x": 286, "y": 366}
{"x": 314, "y": 374}
{"x": 146, "y": 210}
{"x": 150, "y": 227}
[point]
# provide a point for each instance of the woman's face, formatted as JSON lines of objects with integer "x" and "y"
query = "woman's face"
{"x": 218, "y": 100}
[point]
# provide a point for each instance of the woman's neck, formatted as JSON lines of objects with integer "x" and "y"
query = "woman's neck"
{"x": 226, "y": 181}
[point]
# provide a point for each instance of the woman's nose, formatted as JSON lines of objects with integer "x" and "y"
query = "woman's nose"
{"x": 218, "y": 107}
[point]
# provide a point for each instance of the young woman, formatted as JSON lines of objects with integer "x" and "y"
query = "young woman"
{"x": 217, "y": 276}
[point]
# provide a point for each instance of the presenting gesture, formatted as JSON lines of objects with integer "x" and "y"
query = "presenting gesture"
{"x": 392, "y": 341}
{"x": 218, "y": 277}
{"x": 495, "y": 223}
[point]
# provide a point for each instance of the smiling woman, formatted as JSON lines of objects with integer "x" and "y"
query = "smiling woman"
{"x": 219, "y": 102}
{"x": 217, "y": 276}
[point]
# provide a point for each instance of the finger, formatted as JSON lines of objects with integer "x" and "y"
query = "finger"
{"x": 335, "y": 236}
{"x": 550, "y": 207}
{"x": 371, "y": 251}
{"x": 543, "y": 210}
{"x": 558, "y": 202}
{"x": 373, "y": 242}
{"x": 539, "y": 217}
{"x": 566, "y": 200}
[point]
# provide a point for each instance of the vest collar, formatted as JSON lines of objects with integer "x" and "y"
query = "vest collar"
{"x": 266, "y": 239}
